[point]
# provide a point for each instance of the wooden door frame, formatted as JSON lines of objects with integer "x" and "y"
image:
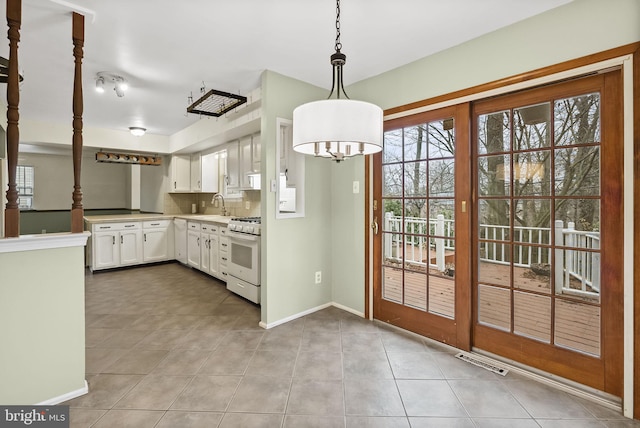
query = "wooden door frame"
{"x": 630, "y": 49}
{"x": 457, "y": 331}
{"x": 603, "y": 372}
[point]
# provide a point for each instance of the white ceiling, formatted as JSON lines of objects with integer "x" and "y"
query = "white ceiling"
{"x": 167, "y": 48}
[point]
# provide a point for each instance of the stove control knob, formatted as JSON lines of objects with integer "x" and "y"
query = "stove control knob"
{"x": 238, "y": 228}
{"x": 248, "y": 229}
{"x": 232, "y": 227}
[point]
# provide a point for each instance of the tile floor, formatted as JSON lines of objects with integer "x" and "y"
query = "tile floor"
{"x": 170, "y": 347}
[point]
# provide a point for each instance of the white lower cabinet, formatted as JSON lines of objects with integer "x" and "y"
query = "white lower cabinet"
{"x": 115, "y": 245}
{"x": 193, "y": 244}
{"x": 156, "y": 240}
{"x": 131, "y": 247}
{"x": 209, "y": 249}
{"x": 106, "y": 254}
{"x": 180, "y": 239}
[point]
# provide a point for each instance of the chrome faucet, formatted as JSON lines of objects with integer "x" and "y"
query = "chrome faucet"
{"x": 219, "y": 196}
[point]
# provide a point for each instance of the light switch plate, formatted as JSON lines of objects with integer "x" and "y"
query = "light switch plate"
{"x": 247, "y": 205}
{"x": 356, "y": 187}
{"x": 273, "y": 186}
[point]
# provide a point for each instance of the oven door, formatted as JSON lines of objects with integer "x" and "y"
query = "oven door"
{"x": 244, "y": 257}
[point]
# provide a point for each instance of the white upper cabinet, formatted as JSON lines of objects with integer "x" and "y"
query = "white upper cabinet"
{"x": 233, "y": 166}
{"x": 196, "y": 173}
{"x": 180, "y": 173}
{"x": 210, "y": 172}
{"x": 250, "y": 162}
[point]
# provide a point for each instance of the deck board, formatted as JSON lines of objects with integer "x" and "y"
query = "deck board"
{"x": 576, "y": 324}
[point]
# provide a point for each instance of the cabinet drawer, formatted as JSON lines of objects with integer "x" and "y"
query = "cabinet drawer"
{"x": 224, "y": 243}
{"x": 244, "y": 289}
{"x": 135, "y": 225}
{"x": 209, "y": 228}
{"x": 193, "y": 226}
{"x": 150, "y": 224}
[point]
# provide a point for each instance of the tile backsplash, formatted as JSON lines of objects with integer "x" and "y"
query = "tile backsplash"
{"x": 180, "y": 203}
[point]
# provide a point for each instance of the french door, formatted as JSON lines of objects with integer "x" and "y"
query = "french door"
{"x": 500, "y": 224}
{"x": 423, "y": 222}
{"x": 547, "y": 287}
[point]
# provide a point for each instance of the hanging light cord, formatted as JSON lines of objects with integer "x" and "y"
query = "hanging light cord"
{"x": 338, "y": 59}
{"x": 338, "y": 44}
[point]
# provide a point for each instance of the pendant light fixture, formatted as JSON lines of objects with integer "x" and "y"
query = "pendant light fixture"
{"x": 337, "y": 128}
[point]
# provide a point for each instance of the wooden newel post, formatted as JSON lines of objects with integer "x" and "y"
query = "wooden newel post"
{"x": 12, "y": 211}
{"x": 77, "y": 211}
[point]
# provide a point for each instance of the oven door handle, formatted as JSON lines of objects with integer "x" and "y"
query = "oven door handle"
{"x": 241, "y": 237}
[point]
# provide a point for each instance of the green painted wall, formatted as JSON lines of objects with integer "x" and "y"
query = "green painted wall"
{"x": 293, "y": 249}
{"x": 42, "y": 318}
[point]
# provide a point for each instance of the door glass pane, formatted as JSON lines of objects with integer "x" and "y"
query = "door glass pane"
{"x": 577, "y": 257}
{"x": 441, "y": 292}
{"x": 532, "y": 268}
{"x": 392, "y": 248}
{"x": 494, "y": 263}
{"x": 494, "y": 219}
{"x": 392, "y": 144}
{"x": 532, "y": 221}
{"x": 532, "y": 173}
{"x": 392, "y": 180}
{"x": 441, "y": 178}
{"x": 577, "y": 171}
{"x": 577, "y": 120}
{"x": 494, "y": 175}
{"x": 531, "y": 126}
{"x": 392, "y": 284}
{"x": 578, "y": 326}
{"x": 494, "y": 132}
{"x": 441, "y": 139}
{"x": 532, "y": 316}
{"x": 415, "y": 179}
{"x": 415, "y": 143}
{"x": 494, "y": 307}
{"x": 415, "y": 290}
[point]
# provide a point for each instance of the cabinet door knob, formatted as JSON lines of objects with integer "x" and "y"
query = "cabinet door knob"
{"x": 114, "y": 240}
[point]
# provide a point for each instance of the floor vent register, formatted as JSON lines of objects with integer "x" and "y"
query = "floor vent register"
{"x": 476, "y": 362}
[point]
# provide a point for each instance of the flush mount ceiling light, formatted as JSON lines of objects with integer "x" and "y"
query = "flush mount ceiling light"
{"x": 119, "y": 83}
{"x": 137, "y": 131}
{"x": 337, "y": 128}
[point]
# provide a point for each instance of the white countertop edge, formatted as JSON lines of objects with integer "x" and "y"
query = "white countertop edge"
{"x": 116, "y": 218}
{"x": 46, "y": 241}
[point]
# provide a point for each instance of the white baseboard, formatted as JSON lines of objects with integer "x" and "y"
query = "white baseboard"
{"x": 348, "y": 309}
{"x": 307, "y": 312}
{"x": 294, "y": 316}
{"x": 65, "y": 397}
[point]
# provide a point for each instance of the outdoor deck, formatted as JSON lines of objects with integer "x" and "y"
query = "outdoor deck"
{"x": 577, "y": 324}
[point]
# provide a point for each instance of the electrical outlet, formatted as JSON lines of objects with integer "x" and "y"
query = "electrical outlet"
{"x": 356, "y": 187}
{"x": 203, "y": 204}
{"x": 247, "y": 205}
{"x": 318, "y": 277}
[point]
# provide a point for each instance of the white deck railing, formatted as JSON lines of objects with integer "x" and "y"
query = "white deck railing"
{"x": 582, "y": 264}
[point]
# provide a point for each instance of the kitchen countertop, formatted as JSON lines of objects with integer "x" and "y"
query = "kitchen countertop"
{"x": 96, "y": 219}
